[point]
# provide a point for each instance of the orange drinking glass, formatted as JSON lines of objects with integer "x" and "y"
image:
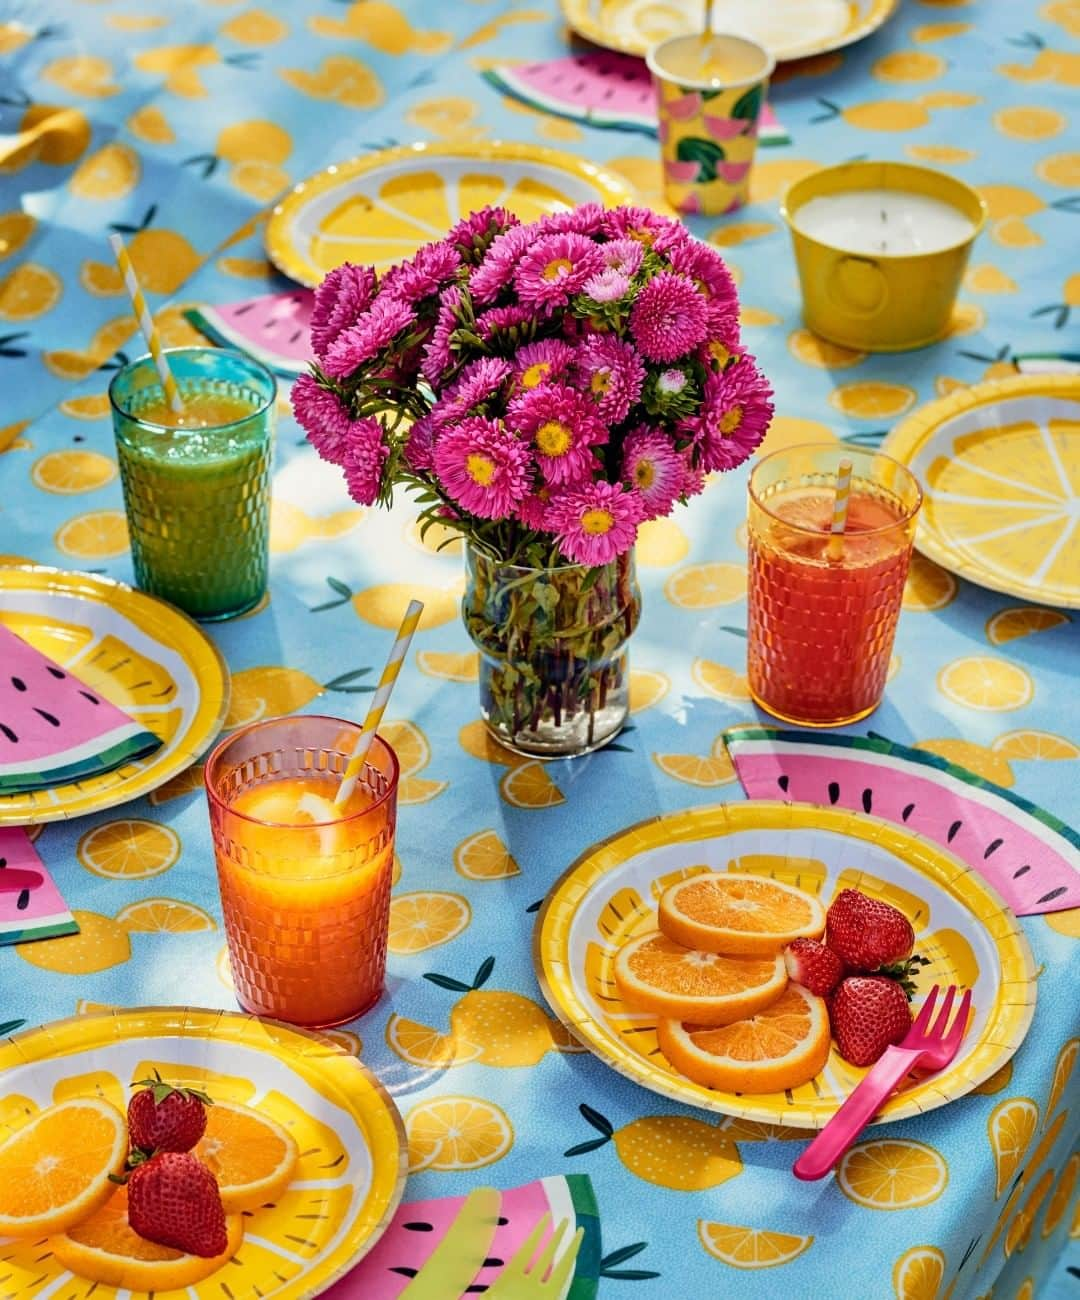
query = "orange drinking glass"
{"x": 821, "y": 620}
{"x": 305, "y": 893}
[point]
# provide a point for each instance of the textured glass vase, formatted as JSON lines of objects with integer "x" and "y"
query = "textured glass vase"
{"x": 554, "y": 667}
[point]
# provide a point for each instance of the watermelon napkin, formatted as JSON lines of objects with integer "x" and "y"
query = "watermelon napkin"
{"x": 601, "y": 88}
{"x": 35, "y": 913}
{"x": 53, "y": 730}
{"x": 1031, "y": 857}
{"x": 272, "y": 328}
{"x": 417, "y": 1228}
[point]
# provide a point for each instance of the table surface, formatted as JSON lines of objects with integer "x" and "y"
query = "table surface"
{"x": 982, "y": 89}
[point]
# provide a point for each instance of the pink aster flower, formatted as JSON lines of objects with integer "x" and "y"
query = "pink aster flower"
{"x": 669, "y": 317}
{"x": 595, "y": 522}
{"x": 323, "y": 418}
{"x": 674, "y": 235}
{"x": 426, "y": 273}
{"x": 479, "y": 381}
{"x": 671, "y": 382}
{"x": 438, "y": 356}
{"x": 344, "y": 295}
{"x": 418, "y": 446}
{"x": 373, "y": 333}
{"x": 563, "y": 426}
{"x": 472, "y": 235}
{"x": 640, "y": 224}
{"x": 554, "y": 268}
{"x": 365, "y": 460}
{"x": 584, "y": 220}
{"x": 735, "y": 413}
{"x": 503, "y": 320}
{"x": 707, "y": 269}
{"x": 652, "y": 465}
{"x": 612, "y": 373}
{"x": 623, "y": 255}
{"x": 532, "y": 510}
{"x": 723, "y": 327}
{"x": 693, "y": 478}
{"x": 483, "y": 467}
{"x": 497, "y": 269}
{"x": 608, "y": 286}
{"x": 539, "y": 363}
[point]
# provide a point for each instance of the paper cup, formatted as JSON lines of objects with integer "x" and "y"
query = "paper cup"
{"x": 709, "y": 94}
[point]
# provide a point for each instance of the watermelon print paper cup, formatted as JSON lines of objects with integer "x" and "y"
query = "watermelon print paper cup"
{"x": 709, "y": 96}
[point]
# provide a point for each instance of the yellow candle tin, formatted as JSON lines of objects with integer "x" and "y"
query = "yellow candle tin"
{"x": 869, "y": 297}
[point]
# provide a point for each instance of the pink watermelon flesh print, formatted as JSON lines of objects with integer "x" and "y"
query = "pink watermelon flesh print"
{"x": 52, "y": 729}
{"x": 36, "y": 912}
{"x": 601, "y": 89}
{"x": 417, "y": 1228}
{"x": 1028, "y": 855}
{"x": 272, "y": 328}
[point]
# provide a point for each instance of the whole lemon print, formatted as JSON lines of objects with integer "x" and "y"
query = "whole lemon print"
{"x": 675, "y": 1151}
{"x": 101, "y": 942}
{"x": 270, "y": 690}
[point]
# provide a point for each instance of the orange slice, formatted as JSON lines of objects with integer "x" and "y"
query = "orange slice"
{"x": 55, "y": 1170}
{"x": 737, "y": 914}
{"x": 250, "y": 1155}
{"x": 658, "y": 975}
{"x": 105, "y": 1248}
{"x": 781, "y": 1047}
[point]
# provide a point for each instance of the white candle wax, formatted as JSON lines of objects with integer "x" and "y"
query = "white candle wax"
{"x": 883, "y": 221}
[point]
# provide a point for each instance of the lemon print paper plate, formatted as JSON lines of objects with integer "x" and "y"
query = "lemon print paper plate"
{"x": 142, "y": 655}
{"x": 345, "y": 1185}
{"x": 962, "y": 927}
{"x": 380, "y": 208}
{"x": 790, "y": 29}
{"x": 1000, "y": 468}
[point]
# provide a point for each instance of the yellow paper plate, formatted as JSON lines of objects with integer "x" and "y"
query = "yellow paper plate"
{"x": 351, "y": 1172}
{"x": 144, "y": 656}
{"x": 1000, "y": 468}
{"x": 790, "y": 29}
{"x": 961, "y": 925}
{"x": 380, "y": 208}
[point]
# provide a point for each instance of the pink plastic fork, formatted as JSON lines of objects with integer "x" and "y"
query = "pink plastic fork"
{"x": 931, "y": 1048}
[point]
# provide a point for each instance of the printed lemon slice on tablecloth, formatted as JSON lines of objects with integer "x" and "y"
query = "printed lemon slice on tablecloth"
{"x": 484, "y": 856}
{"x": 106, "y": 1249}
{"x": 1059, "y": 1202}
{"x": 659, "y": 976}
{"x": 750, "y": 1247}
{"x": 738, "y": 914}
{"x": 457, "y": 1133}
{"x": 1004, "y": 500}
{"x": 918, "y": 1273}
{"x": 251, "y": 1156}
{"x": 425, "y": 919}
{"x": 55, "y": 1170}
{"x": 892, "y": 1174}
{"x": 131, "y": 849}
{"x": 388, "y": 222}
{"x": 778, "y": 1048}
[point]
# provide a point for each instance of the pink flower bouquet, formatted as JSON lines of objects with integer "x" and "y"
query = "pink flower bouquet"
{"x": 544, "y": 388}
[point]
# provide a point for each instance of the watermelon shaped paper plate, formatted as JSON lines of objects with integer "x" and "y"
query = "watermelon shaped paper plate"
{"x": 272, "y": 328}
{"x": 962, "y": 927}
{"x": 350, "y": 1174}
{"x": 380, "y": 208}
{"x": 140, "y": 655}
{"x": 790, "y": 29}
{"x": 1029, "y": 856}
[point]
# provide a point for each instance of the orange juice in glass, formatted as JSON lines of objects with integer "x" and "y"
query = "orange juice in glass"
{"x": 821, "y": 618}
{"x": 305, "y": 891}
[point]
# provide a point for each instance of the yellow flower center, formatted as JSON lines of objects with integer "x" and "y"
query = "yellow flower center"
{"x": 644, "y": 473}
{"x": 600, "y": 382}
{"x": 553, "y": 438}
{"x": 480, "y": 468}
{"x": 557, "y": 268}
{"x": 597, "y": 522}
{"x": 731, "y": 420}
{"x": 536, "y": 374}
{"x": 719, "y": 353}
{"x": 642, "y": 236}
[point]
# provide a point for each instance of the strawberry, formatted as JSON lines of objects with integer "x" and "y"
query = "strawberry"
{"x": 173, "y": 1199}
{"x": 868, "y": 1013}
{"x": 866, "y": 933}
{"x": 164, "y": 1118}
{"x": 817, "y": 968}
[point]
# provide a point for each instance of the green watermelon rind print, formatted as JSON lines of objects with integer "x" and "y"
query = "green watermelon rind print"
{"x": 127, "y": 750}
{"x": 587, "y": 1272}
{"x": 706, "y": 153}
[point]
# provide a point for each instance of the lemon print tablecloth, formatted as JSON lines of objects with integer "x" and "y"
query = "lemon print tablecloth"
{"x": 177, "y": 122}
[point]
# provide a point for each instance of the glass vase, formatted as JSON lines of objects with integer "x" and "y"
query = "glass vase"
{"x": 554, "y": 666}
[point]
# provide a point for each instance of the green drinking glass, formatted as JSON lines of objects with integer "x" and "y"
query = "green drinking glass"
{"x": 197, "y": 485}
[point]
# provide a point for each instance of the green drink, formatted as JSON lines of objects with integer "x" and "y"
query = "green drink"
{"x": 197, "y": 485}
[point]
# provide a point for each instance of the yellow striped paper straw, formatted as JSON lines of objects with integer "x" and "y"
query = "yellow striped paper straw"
{"x": 378, "y": 702}
{"x": 146, "y": 324}
{"x": 835, "y": 548}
